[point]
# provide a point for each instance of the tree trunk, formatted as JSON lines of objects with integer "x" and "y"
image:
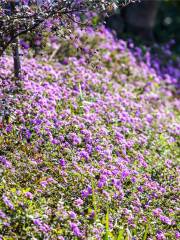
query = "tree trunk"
{"x": 16, "y": 58}
{"x": 15, "y": 48}
{"x": 140, "y": 18}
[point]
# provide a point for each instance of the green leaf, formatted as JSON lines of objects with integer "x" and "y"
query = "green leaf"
{"x": 94, "y": 199}
{"x": 81, "y": 94}
{"x": 121, "y": 234}
{"x": 107, "y": 225}
{"x": 146, "y": 232}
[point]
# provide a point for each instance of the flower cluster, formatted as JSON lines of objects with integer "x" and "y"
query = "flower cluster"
{"x": 89, "y": 146}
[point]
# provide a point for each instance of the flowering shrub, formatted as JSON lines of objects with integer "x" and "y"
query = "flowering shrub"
{"x": 21, "y": 17}
{"x": 89, "y": 146}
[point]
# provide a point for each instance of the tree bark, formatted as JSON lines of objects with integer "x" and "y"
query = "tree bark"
{"x": 16, "y": 58}
{"x": 15, "y": 48}
{"x": 140, "y": 18}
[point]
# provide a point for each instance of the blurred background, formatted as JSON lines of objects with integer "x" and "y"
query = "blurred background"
{"x": 149, "y": 22}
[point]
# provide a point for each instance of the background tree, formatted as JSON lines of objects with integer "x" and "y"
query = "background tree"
{"x": 140, "y": 19}
{"x": 149, "y": 22}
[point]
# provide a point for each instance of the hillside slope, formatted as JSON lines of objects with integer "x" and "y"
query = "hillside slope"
{"x": 89, "y": 148}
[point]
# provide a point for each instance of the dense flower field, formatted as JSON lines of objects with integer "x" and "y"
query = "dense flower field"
{"x": 89, "y": 146}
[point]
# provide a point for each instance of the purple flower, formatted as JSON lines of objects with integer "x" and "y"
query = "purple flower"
{"x": 101, "y": 183}
{"x": 5, "y": 162}
{"x": 165, "y": 219}
{"x": 78, "y": 202}
{"x": 125, "y": 173}
{"x": 24, "y": 44}
{"x": 42, "y": 226}
{"x": 45, "y": 228}
{"x": 177, "y": 234}
{"x": 9, "y": 128}
{"x": 7, "y": 202}
{"x": 84, "y": 154}
{"x": 72, "y": 215}
{"x": 157, "y": 212}
{"x": 160, "y": 236}
{"x": 62, "y": 162}
{"x": 29, "y": 195}
{"x": 2, "y": 215}
{"x": 92, "y": 214}
{"x": 86, "y": 192}
{"x": 55, "y": 141}
{"x": 74, "y": 138}
{"x": 44, "y": 183}
{"x": 75, "y": 229}
{"x": 61, "y": 238}
{"x": 37, "y": 222}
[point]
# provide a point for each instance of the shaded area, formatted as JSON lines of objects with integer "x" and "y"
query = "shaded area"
{"x": 148, "y": 22}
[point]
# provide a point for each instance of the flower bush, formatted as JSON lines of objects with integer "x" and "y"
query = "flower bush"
{"x": 89, "y": 146}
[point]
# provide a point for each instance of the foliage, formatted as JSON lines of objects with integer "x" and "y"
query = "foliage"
{"x": 89, "y": 146}
{"x": 24, "y": 16}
